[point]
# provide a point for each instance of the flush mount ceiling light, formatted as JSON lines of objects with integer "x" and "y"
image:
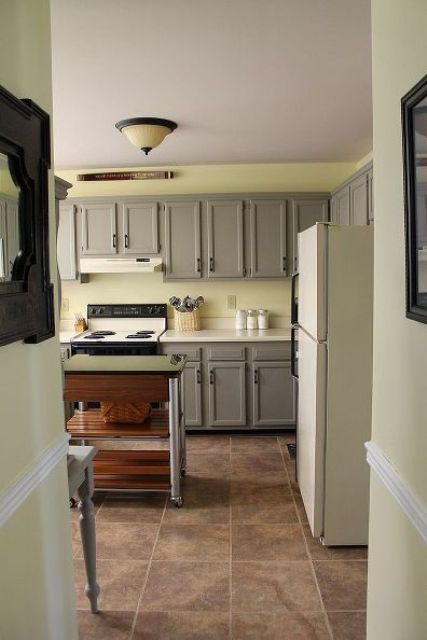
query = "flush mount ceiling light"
{"x": 146, "y": 133}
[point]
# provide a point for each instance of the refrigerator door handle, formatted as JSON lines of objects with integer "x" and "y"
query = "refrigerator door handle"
{"x": 294, "y": 304}
{"x": 293, "y": 354}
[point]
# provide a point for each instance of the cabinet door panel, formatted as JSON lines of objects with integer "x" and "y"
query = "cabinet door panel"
{"x": 342, "y": 206}
{"x": 99, "y": 229}
{"x": 66, "y": 238}
{"x": 273, "y": 394}
{"x": 140, "y": 228}
{"x": 227, "y": 394}
{"x": 192, "y": 394}
{"x": 268, "y": 239}
{"x": 359, "y": 200}
{"x": 305, "y": 213}
{"x": 225, "y": 239}
{"x": 183, "y": 257}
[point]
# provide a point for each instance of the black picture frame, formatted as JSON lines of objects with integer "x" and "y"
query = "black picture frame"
{"x": 26, "y": 301}
{"x": 416, "y": 300}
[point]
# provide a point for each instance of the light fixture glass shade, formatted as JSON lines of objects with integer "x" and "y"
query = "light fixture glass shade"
{"x": 146, "y": 133}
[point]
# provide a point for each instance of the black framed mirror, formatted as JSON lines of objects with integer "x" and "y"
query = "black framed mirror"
{"x": 26, "y": 294}
{"x": 414, "y": 132}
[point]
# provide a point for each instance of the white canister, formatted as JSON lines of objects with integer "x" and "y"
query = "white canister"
{"x": 240, "y": 322}
{"x": 262, "y": 319}
{"x": 252, "y": 319}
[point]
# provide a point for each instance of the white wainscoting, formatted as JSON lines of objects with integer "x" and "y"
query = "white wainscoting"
{"x": 15, "y": 494}
{"x": 412, "y": 507}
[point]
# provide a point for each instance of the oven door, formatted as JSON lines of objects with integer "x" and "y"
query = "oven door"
{"x": 111, "y": 349}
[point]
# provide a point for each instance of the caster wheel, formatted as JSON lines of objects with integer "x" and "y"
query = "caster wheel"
{"x": 73, "y": 503}
{"x": 178, "y": 503}
{"x": 183, "y": 473}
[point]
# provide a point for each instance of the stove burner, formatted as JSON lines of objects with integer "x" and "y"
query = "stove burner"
{"x": 139, "y": 335}
{"x": 103, "y": 333}
{"x": 143, "y": 332}
{"x": 94, "y": 336}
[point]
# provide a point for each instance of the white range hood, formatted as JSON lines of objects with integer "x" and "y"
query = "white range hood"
{"x": 138, "y": 264}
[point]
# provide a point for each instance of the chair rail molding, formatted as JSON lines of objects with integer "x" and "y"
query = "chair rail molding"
{"x": 404, "y": 496}
{"x": 16, "y": 493}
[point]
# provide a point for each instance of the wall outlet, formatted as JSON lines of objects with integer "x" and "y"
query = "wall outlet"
{"x": 65, "y": 304}
{"x": 231, "y": 302}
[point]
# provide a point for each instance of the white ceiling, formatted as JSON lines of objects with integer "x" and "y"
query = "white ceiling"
{"x": 246, "y": 80}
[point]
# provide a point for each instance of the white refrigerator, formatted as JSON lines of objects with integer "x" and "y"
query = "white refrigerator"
{"x": 334, "y": 329}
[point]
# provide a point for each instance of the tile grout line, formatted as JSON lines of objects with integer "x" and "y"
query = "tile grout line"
{"x": 147, "y": 573}
{"x": 310, "y": 559}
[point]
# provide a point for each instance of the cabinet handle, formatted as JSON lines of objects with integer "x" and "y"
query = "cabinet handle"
{"x": 126, "y": 241}
{"x": 114, "y": 240}
{"x": 255, "y": 376}
{"x": 199, "y": 265}
{"x": 211, "y": 264}
{"x": 198, "y": 376}
{"x": 284, "y": 263}
{"x": 211, "y": 377}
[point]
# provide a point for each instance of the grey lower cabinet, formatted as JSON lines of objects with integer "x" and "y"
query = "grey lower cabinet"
{"x": 227, "y": 394}
{"x": 273, "y": 396}
{"x": 225, "y": 257}
{"x": 268, "y": 239}
{"x": 191, "y": 389}
{"x": 236, "y": 385}
{"x": 183, "y": 240}
{"x": 305, "y": 213}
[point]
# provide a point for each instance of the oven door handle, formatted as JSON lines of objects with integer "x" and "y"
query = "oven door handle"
{"x": 293, "y": 354}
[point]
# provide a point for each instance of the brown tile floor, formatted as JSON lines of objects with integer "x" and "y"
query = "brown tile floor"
{"x": 236, "y": 562}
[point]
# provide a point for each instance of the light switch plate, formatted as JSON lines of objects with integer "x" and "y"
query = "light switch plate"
{"x": 231, "y": 302}
{"x": 65, "y": 304}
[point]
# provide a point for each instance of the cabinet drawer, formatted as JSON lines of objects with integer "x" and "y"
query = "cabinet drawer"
{"x": 193, "y": 354}
{"x": 272, "y": 352}
{"x": 226, "y": 353}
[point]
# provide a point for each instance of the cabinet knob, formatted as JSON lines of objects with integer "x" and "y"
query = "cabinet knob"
{"x": 199, "y": 265}
{"x": 126, "y": 241}
{"x": 211, "y": 377}
{"x": 114, "y": 240}
{"x": 284, "y": 263}
{"x": 211, "y": 264}
{"x": 198, "y": 376}
{"x": 255, "y": 376}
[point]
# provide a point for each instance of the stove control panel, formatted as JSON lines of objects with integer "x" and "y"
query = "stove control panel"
{"x": 126, "y": 310}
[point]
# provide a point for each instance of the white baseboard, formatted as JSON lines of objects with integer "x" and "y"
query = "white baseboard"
{"x": 409, "y": 503}
{"x": 15, "y": 494}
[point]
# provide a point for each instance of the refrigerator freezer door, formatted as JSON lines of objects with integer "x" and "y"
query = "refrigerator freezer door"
{"x": 312, "y": 285}
{"x": 312, "y": 361}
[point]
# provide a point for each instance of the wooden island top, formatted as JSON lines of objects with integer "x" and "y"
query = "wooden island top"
{"x": 168, "y": 365}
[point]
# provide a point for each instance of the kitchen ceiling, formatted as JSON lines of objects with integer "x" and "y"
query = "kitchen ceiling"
{"x": 247, "y": 81}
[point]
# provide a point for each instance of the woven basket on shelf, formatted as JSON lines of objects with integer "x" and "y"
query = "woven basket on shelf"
{"x": 187, "y": 320}
{"x": 128, "y": 412}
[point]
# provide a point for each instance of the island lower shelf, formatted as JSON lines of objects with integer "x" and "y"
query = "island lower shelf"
{"x": 132, "y": 470}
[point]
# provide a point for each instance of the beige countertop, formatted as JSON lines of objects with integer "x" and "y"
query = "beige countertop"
{"x": 228, "y": 335}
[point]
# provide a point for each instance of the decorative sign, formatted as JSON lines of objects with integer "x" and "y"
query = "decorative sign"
{"x": 126, "y": 175}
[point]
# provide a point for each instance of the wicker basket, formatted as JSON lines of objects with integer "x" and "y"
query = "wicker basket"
{"x": 187, "y": 320}
{"x": 128, "y": 412}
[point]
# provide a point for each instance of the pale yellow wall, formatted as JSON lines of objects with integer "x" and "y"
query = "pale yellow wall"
{"x": 397, "y": 586}
{"x": 364, "y": 160}
{"x": 272, "y": 295}
{"x": 31, "y": 412}
{"x": 224, "y": 178}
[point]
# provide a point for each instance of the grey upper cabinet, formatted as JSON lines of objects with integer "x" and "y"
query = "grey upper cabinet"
{"x": 305, "y": 213}
{"x": 99, "y": 229}
{"x": 192, "y": 394}
{"x": 227, "y": 394}
{"x": 139, "y": 233}
{"x": 66, "y": 247}
{"x": 353, "y": 202}
{"x": 268, "y": 246}
{"x": 225, "y": 239}
{"x": 359, "y": 200}
{"x": 371, "y": 196}
{"x": 183, "y": 240}
{"x": 340, "y": 207}
{"x": 273, "y": 396}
